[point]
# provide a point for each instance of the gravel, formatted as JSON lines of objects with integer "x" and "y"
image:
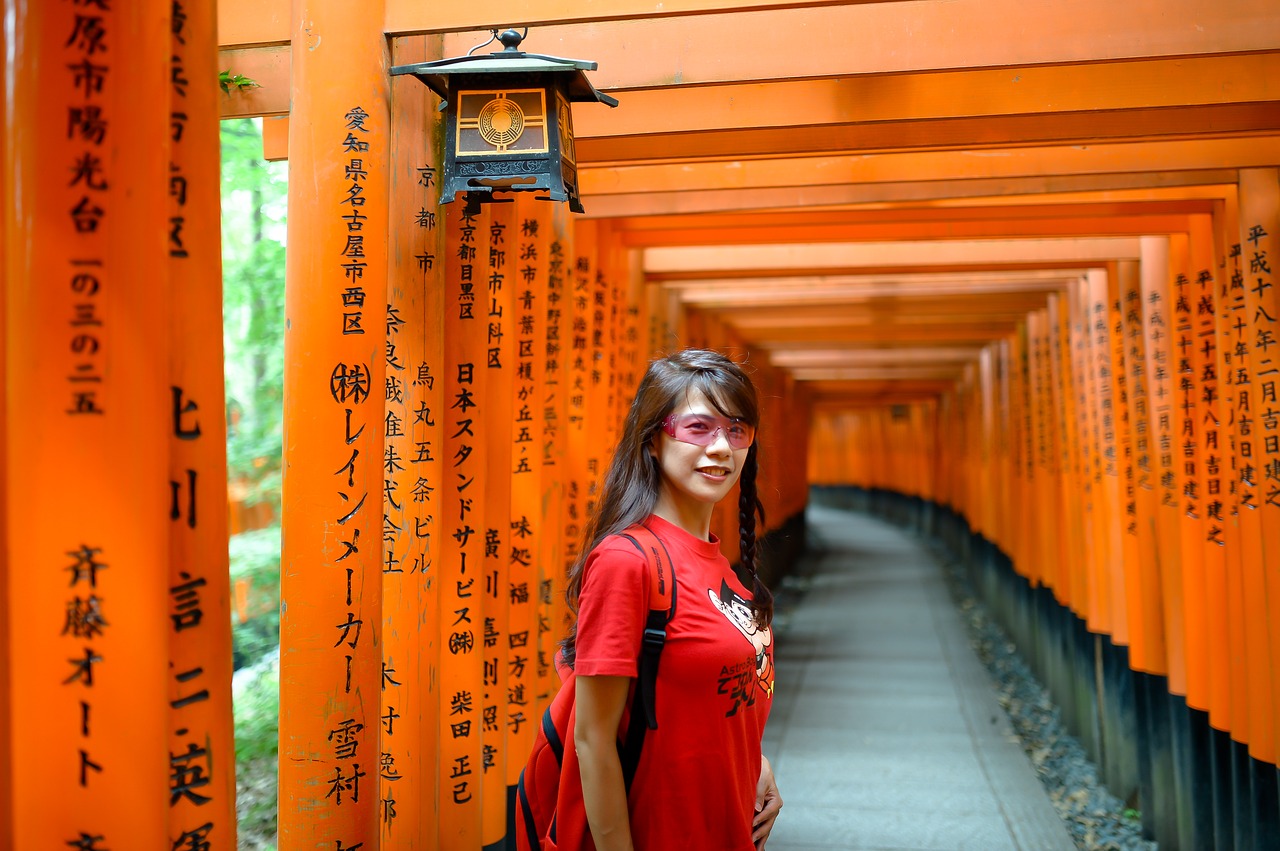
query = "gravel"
{"x": 1096, "y": 819}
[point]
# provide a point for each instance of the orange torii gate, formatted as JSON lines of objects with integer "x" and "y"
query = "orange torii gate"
{"x": 1026, "y": 371}
{"x": 454, "y": 383}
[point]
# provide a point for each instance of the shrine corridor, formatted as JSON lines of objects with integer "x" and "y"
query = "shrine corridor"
{"x": 1003, "y": 271}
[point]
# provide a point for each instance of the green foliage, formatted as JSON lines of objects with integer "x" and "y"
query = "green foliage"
{"x": 255, "y": 560}
{"x": 254, "y": 204}
{"x": 228, "y": 81}
{"x": 257, "y": 712}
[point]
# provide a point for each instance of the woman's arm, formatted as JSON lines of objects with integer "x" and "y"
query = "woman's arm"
{"x": 768, "y": 803}
{"x": 600, "y": 702}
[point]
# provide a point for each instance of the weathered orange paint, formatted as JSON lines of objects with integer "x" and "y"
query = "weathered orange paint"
{"x": 331, "y": 564}
{"x": 86, "y": 465}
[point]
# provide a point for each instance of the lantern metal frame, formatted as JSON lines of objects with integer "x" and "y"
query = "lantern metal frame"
{"x": 508, "y": 121}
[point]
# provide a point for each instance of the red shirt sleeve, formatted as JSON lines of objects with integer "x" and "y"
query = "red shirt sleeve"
{"x": 612, "y": 609}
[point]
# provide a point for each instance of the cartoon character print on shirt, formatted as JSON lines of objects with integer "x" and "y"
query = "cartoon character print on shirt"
{"x": 740, "y": 681}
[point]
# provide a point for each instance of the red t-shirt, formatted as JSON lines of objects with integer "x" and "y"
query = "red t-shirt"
{"x": 695, "y": 787}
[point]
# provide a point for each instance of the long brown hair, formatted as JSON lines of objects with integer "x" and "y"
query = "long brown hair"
{"x": 631, "y": 483}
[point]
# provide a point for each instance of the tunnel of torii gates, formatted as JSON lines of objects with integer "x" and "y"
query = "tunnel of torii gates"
{"x": 1010, "y": 260}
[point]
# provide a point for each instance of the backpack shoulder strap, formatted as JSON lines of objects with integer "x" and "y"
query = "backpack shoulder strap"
{"x": 662, "y": 607}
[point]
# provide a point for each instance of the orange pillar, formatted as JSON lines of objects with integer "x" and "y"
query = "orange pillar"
{"x": 599, "y": 428}
{"x": 1108, "y": 617}
{"x": 466, "y": 407}
{"x": 8, "y": 216}
{"x": 86, "y": 248}
{"x": 577, "y": 363}
{"x": 499, "y": 306}
{"x": 552, "y": 607}
{"x": 1128, "y": 606}
{"x": 199, "y": 582}
{"x": 409, "y": 728}
{"x": 1259, "y": 431}
{"x": 527, "y": 526}
{"x": 1205, "y": 491}
{"x": 1145, "y": 594}
{"x": 1188, "y": 418}
{"x": 1239, "y": 534}
{"x": 1165, "y": 478}
{"x": 335, "y": 315}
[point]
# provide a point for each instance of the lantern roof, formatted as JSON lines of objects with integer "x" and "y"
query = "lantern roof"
{"x": 435, "y": 74}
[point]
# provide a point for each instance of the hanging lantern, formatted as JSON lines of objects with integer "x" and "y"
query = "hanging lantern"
{"x": 508, "y": 125}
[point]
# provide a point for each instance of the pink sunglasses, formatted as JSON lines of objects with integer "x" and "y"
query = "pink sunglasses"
{"x": 701, "y": 429}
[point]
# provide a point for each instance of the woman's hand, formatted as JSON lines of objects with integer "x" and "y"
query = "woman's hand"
{"x": 768, "y": 803}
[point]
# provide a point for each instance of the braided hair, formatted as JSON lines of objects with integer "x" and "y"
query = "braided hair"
{"x": 750, "y": 507}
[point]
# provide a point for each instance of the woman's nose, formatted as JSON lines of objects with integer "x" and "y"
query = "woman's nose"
{"x": 719, "y": 443}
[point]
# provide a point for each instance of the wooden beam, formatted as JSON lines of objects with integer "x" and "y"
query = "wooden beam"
{"x": 697, "y": 116}
{"x": 906, "y": 33}
{"x": 818, "y": 323}
{"x": 1083, "y": 127}
{"x": 948, "y": 165}
{"x": 922, "y": 283}
{"x": 920, "y": 213}
{"x": 817, "y": 315}
{"x": 985, "y": 92}
{"x": 850, "y": 357}
{"x": 269, "y": 67}
{"x": 853, "y": 401}
{"x": 801, "y": 294}
{"x": 886, "y": 254}
{"x": 905, "y": 37}
{"x": 906, "y": 375}
{"x": 893, "y": 231}
{"x": 878, "y": 388}
{"x": 874, "y": 335}
{"x": 1029, "y": 189}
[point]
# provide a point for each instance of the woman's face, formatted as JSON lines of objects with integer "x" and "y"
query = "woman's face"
{"x": 693, "y": 475}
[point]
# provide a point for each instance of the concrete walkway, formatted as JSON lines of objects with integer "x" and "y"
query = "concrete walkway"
{"x": 885, "y": 731}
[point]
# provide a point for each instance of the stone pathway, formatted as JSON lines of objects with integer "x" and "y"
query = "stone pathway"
{"x": 885, "y": 731}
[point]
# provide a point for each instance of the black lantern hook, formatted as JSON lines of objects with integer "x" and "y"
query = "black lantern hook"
{"x": 510, "y": 39}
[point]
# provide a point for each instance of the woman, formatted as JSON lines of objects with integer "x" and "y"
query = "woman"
{"x": 702, "y": 783}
